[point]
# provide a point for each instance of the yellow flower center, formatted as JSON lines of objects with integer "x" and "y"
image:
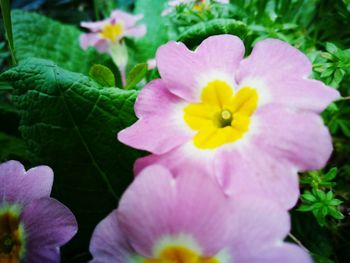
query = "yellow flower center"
{"x": 200, "y": 6}
{"x": 179, "y": 254}
{"x": 112, "y": 32}
{"x": 11, "y": 237}
{"x": 221, "y": 117}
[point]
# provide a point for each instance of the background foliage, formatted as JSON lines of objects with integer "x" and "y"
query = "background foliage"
{"x": 55, "y": 110}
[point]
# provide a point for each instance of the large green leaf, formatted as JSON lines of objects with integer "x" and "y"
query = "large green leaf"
{"x": 70, "y": 124}
{"x": 38, "y": 36}
{"x": 157, "y": 32}
{"x": 195, "y": 34}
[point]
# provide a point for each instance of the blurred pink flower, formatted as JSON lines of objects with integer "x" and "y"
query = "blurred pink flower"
{"x": 251, "y": 123}
{"x": 173, "y": 3}
{"x": 111, "y": 30}
{"x": 189, "y": 219}
{"x": 106, "y": 36}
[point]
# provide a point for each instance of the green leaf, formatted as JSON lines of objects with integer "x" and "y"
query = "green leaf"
{"x": 157, "y": 31}
{"x": 329, "y": 196}
{"x": 70, "y": 123}
{"x": 12, "y": 148}
{"x": 195, "y": 34}
{"x": 308, "y": 196}
{"x": 335, "y": 213}
{"x": 335, "y": 202}
{"x": 6, "y": 15}
{"x": 38, "y": 36}
{"x": 136, "y": 75}
{"x": 331, "y": 48}
{"x": 332, "y": 173}
{"x": 345, "y": 129}
{"x": 328, "y": 72}
{"x": 102, "y": 75}
{"x": 320, "y": 194}
{"x": 305, "y": 208}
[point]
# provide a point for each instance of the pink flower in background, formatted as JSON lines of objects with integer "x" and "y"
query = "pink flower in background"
{"x": 33, "y": 226}
{"x": 174, "y": 3}
{"x": 111, "y": 30}
{"x": 106, "y": 36}
{"x": 189, "y": 219}
{"x": 252, "y": 123}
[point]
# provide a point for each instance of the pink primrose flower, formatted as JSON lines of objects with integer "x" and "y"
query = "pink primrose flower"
{"x": 252, "y": 123}
{"x": 111, "y": 30}
{"x": 174, "y": 3}
{"x": 33, "y": 226}
{"x": 162, "y": 218}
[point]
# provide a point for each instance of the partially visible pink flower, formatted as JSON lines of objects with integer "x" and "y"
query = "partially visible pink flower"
{"x": 251, "y": 123}
{"x": 174, "y": 3}
{"x": 33, "y": 226}
{"x": 111, "y": 30}
{"x": 189, "y": 219}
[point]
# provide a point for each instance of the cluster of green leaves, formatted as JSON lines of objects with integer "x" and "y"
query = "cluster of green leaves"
{"x": 332, "y": 65}
{"x": 320, "y": 200}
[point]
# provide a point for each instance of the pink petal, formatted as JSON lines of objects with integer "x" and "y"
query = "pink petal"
{"x": 129, "y": 20}
{"x": 273, "y": 57}
{"x": 11, "y": 168}
{"x": 277, "y": 68}
{"x": 286, "y": 253}
{"x": 178, "y": 160}
{"x": 136, "y": 31}
{"x": 94, "y": 40}
{"x": 16, "y": 185}
{"x": 95, "y": 26}
{"x": 102, "y": 46}
{"x": 257, "y": 224}
{"x": 48, "y": 224}
{"x": 108, "y": 243}
{"x": 251, "y": 170}
{"x": 171, "y": 206}
{"x": 160, "y": 120}
{"x": 186, "y": 73}
{"x": 300, "y": 137}
{"x": 304, "y": 94}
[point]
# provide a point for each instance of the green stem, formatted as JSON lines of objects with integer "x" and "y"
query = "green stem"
{"x": 6, "y": 14}
{"x": 297, "y": 241}
{"x": 344, "y": 98}
{"x": 97, "y": 12}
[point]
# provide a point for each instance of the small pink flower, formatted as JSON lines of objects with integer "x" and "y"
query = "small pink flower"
{"x": 189, "y": 219}
{"x": 252, "y": 123}
{"x": 174, "y": 3}
{"x": 111, "y": 30}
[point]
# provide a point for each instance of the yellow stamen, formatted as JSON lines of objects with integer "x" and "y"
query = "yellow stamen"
{"x": 179, "y": 254}
{"x": 221, "y": 117}
{"x": 112, "y": 32}
{"x": 11, "y": 238}
{"x": 226, "y": 115}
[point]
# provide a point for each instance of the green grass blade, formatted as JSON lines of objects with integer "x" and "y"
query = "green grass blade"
{"x": 6, "y": 14}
